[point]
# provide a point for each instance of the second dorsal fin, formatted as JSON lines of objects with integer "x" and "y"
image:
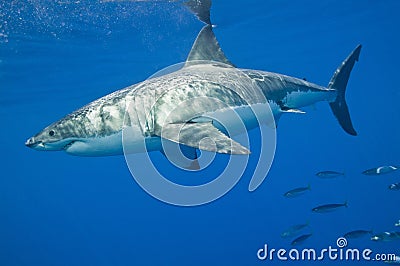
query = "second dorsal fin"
{"x": 206, "y": 48}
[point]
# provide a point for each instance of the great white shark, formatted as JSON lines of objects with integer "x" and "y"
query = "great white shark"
{"x": 158, "y": 107}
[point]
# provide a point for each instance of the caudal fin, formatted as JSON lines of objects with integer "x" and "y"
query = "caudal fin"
{"x": 339, "y": 82}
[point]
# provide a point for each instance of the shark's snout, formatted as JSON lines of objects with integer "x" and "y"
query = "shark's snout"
{"x": 34, "y": 144}
{"x": 31, "y": 142}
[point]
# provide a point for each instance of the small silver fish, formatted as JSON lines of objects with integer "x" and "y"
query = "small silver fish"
{"x": 294, "y": 230}
{"x": 397, "y": 224}
{"x": 300, "y": 239}
{"x": 395, "y": 186}
{"x": 386, "y": 236}
{"x": 357, "y": 233}
{"x": 329, "y": 174}
{"x": 297, "y": 191}
{"x": 329, "y": 207}
{"x": 385, "y": 169}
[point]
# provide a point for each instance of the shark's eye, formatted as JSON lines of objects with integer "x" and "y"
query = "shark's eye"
{"x": 51, "y": 132}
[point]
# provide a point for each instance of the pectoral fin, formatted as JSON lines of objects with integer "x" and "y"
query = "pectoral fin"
{"x": 203, "y": 136}
{"x": 181, "y": 155}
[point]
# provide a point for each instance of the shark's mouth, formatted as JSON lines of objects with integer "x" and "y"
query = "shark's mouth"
{"x": 63, "y": 145}
{"x": 38, "y": 146}
{"x": 68, "y": 145}
{"x": 58, "y": 145}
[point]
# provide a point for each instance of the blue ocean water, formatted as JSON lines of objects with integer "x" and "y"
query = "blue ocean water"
{"x": 56, "y": 56}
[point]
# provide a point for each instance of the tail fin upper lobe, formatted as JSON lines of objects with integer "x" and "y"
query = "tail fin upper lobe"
{"x": 339, "y": 83}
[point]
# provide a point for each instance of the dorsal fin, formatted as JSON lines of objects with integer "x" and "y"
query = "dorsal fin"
{"x": 201, "y": 8}
{"x": 206, "y": 47}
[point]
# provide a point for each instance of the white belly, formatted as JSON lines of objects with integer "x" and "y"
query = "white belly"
{"x": 302, "y": 98}
{"x": 131, "y": 141}
{"x": 99, "y": 146}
